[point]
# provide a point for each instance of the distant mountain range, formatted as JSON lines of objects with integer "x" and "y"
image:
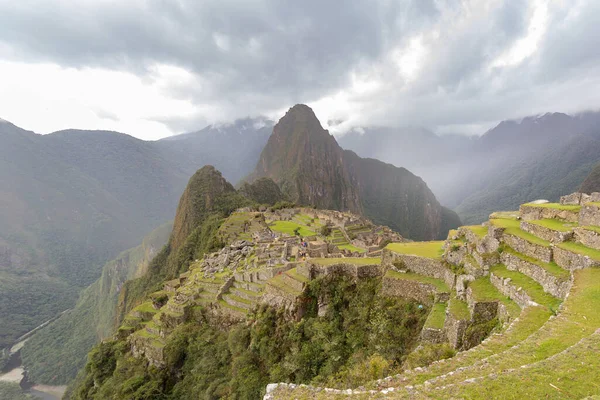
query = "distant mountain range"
{"x": 72, "y": 200}
{"x": 516, "y": 161}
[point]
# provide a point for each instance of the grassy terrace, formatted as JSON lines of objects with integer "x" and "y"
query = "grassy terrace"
{"x": 578, "y": 319}
{"x": 409, "y": 276}
{"x": 556, "y": 206}
{"x": 436, "y": 317}
{"x": 347, "y": 260}
{"x": 224, "y": 304}
{"x": 280, "y": 283}
{"x": 512, "y": 227}
{"x": 294, "y": 274}
{"x": 478, "y": 230}
{"x": 459, "y": 309}
{"x": 592, "y": 228}
{"x": 146, "y": 308}
{"x": 581, "y": 249}
{"x": 555, "y": 224}
{"x": 421, "y": 249}
{"x": 288, "y": 227}
{"x": 483, "y": 290}
{"x": 531, "y": 287}
{"x": 530, "y": 320}
{"x": 552, "y": 268}
{"x": 352, "y": 248}
{"x": 505, "y": 215}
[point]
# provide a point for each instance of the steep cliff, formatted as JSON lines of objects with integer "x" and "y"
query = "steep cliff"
{"x": 312, "y": 169}
{"x": 592, "y": 182}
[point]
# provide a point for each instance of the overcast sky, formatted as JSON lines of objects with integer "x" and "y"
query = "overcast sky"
{"x": 158, "y": 67}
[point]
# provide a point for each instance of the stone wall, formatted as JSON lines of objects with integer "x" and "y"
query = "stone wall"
{"x": 481, "y": 311}
{"x": 572, "y": 261}
{"x": 575, "y": 199}
{"x": 455, "y": 254}
{"x": 589, "y": 215}
{"x": 588, "y": 237}
{"x": 279, "y": 298}
{"x": 433, "y": 336}
{"x": 507, "y": 288}
{"x": 522, "y": 246}
{"x": 420, "y": 265}
{"x": 551, "y": 284}
{"x": 314, "y": 270}
{"x": 455, "y": 330}
{"x": 531, "y": 212}
{"x": 407, "y": 289}
{"x": 546, "y": 233}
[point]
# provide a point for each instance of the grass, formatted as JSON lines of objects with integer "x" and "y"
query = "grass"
{"x": 245, "y": 291}
{"x": 437, "y": 316}
{"x": 239, "y": 299}
{"x": 552, "y": 268}
{"x": 483, "y": 291}
{"x": 409, "y": 276}
{"x": 581, "y": 249}
{"x": 512, "y": 227}
{"x": 578, "y": 319}
{"x": 351, "y": 248}
{"x": 294, "y": 274}
{"x": 421, "y": 249}
{"x": 459, "y": 309}
{"x": 533, "y": 289}
{"x": 146, "y": 308}
{"x": 592, "y": 228}
{"x": 288, "y": 227}
{"x": 505, "y": 215}
{"x": 279, "y": 283}
{"x": 478, "y": 230}
{"x": 224, "y": 304}
{"x": 555, "y": 206}
{"x": 555, "y": 224}
{"x": 347, "y": 260}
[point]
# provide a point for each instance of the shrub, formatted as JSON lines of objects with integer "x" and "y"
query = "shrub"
{"x": 428, "y": 353}
{"x": 325, "y": 230}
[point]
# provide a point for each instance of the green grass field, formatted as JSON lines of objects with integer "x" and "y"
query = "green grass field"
{"x": 409, "y": 276}
{"x": 352, "y": 248}
{"x": 288, "y": 227}
{"x": 437, "y": 316}
{"x": 556, "y": 206}
{"x": 422, "y": 249}
{"x": 555, "y": 224}
{"x": 347, "y": 260}
{"x": 581, "y": 249}
{"x": 513, "y": 227}
{"x": 478, "y": 230}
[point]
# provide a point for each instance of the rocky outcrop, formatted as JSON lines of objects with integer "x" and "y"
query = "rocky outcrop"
{"x": 312, "y": 169}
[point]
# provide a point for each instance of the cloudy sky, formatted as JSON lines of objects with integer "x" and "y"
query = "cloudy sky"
{"x": 153, "y": 68}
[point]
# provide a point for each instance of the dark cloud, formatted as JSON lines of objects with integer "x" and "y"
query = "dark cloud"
{"x": 254, "y": 56}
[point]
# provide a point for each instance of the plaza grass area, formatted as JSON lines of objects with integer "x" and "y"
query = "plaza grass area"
{"x": 288, "y": 227}
{"x": 422, "y": 249}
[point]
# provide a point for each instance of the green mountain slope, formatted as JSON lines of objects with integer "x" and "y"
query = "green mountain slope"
{"x": 57, "y": 352}
{"x": 312, "y": 169}
{"x": 592, "y": 181}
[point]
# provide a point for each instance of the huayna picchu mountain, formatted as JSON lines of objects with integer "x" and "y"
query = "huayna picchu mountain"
{"x": 327, "y": 298}
{"x": 312, "y": 169}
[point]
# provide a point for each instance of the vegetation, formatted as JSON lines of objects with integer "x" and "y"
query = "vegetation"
{"x": 421, "y": 249}
{"x": 555, "y": 224}
{"x": 55, "y": 354}
{"x": 289, "y": 227}
{"x": 512, "y": 227}
{"x": 552, "y": 268}
{"x": 581, "y": 249}
{"x": 437, "y": 316}
{"x": 12, "y": 391}
{"x": 262, "y": 191}
{"x": 347, "y": 260}
{"x": 478, "y": 230}
{"x": 459, "y": 309}
{"x": 438, "y": 283}
{"x": 556, "y": 206}
{"x": 362, "y": 337}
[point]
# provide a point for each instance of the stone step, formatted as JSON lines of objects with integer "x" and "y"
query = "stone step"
{"x": 209, "y": 288}
{"x": 244, "y": 293}
{"x": 238, "y": 302}
{"x": 573, "y": 255}
{"x": 294, "y": 280}
{"x": 568, "y": 213}
{"x": 553, "y": 279}
{"x": 530, "y": 246}
{"x": 588, "y": 236}
{"x": 252, "y": 286}
{"x": 521, "y": 289}
{"x": 551, "y": 230}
